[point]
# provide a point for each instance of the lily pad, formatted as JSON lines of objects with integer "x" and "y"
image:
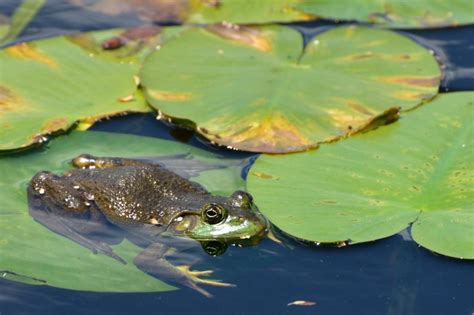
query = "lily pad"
{"x": 258, "y": 89}
{"x": 201, "y": 11}
{"x": 417, "y": 171}
{"x": 147, "y": 10}
{"x": 30, "y": 253}
{"x": 48, "y": 85}
{"x": 394, "y": 13}
{"x": 245, "y": 12}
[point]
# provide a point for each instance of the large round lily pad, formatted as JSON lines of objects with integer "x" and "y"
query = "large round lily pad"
{"x": 31, "y": 253}
{"x": 258, "y": 89}
{"x": 394, "y": 13}
{"x": 47, "y": 85}
{"x": 416, "y": 171}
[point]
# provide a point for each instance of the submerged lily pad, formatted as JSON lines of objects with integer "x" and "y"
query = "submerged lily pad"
{"x": 48, "y": 85}
{"x": 416, "y": 171}
{"x": 258, "y": 89}
{"x": 394, "y": 13}
{"x": 22, "y": 16}
{"x": 31, "y": 253}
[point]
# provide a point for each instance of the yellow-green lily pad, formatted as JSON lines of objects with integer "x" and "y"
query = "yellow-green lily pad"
{"x": 201, "y": 11}
{"x": 245, "y": 12}
{"x": 31, "y": 253}
{"x": 417, "y": 171}
{"x": 147, "y": 10}
{"x": 48, "y": 85}
{"x": 258, "y": 89}
{"x": 394, "y": 13}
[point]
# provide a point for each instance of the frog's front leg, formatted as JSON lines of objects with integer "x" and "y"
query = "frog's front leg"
{"x": 153, "y": 261}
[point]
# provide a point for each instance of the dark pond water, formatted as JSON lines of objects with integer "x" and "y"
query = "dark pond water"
{"x": 390, "y": 276}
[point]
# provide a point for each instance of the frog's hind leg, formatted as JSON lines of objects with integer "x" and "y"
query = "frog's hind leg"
{"x": 153, "y": 261}
{"x": 90, "y": 161}
{"x": 73, "y": 220}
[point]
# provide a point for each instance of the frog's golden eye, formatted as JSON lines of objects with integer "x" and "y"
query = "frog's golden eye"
{"x": 213, "y": 213}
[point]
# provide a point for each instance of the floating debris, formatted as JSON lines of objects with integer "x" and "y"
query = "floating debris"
{"x": 301, "y": 303}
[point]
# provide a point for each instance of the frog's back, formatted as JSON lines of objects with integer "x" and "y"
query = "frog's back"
{"x": 137, "y": 194}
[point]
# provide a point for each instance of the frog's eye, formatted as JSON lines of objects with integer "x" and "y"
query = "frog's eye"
{"x": 213, "y": 213}
{"x": 242, "y": 199}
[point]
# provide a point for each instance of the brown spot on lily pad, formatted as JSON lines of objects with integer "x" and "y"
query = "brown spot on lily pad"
{"x": 55, "y": 124}
{"x": 126, "y": 99}
{"x": 362, "y": 56}
{"x": 407, "y": 95}
{"x": 9, "y": 101}
{"x": 29, "y": 51}
{"x": 379, "y": 56}
{"x": 350, "y": 124}
{"x": 263, "y": 175}
{"x": 346, "y": 121}
{"x": 421, "y": 82}
{"x": 272, "y": 134}
{"x": 355, "y": 105}
{"x": 169, "y": 96}
{"x": 250, "y": 36}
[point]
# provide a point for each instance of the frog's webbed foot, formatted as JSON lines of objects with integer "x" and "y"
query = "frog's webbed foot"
{"x": 194, "y": 280}
{"x": 152, "y": 261}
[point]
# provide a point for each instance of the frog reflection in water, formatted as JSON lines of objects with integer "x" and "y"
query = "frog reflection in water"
{"x": 147, "y": 201}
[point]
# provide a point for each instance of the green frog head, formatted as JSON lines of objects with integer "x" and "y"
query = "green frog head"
{"x": 224, "y": 220}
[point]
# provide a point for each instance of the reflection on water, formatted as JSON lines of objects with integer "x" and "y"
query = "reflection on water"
{"x": 390, "y": 276}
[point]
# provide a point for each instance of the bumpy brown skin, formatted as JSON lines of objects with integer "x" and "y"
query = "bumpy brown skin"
{"x": 92, "y": 204}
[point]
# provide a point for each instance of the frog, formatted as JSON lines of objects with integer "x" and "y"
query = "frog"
{"x": 102, "y": 200}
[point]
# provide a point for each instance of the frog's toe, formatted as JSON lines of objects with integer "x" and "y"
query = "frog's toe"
{"x": 193, "y": 282}
{"x": 201, "y": 273}
{"x": 186, "y": 269}
{"x": 215, "y": 283}
{"x": 193, "y": 276}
